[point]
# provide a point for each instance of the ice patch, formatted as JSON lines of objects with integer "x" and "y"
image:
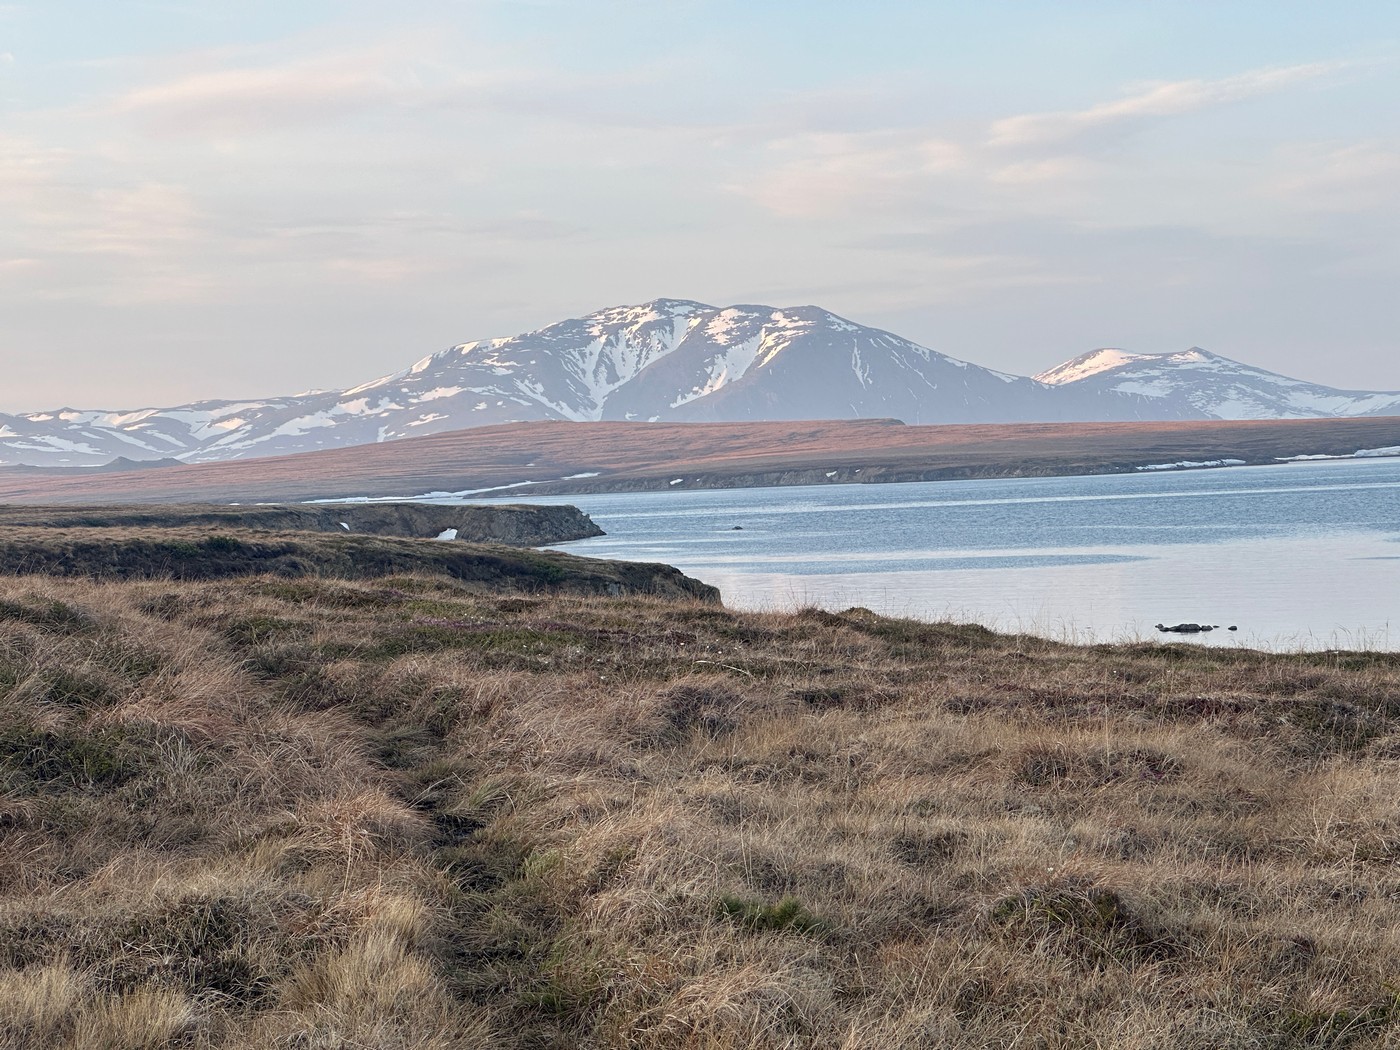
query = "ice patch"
{"x": 860, "y": 368}
{"x": 534, "y": 389}
{"x": 1090, "y": 364}
{"x": 302, "y": 424}
{"x": 723, "y": 325}
{"x": 447, "y": 534}
{"x": 585, "y": 474}
{"x": 440, "y": 392}
{"x": 728, "y": 365}
{"x": 1187, "y": 464}
{"x": 56, "y": 444}
{"x": 381, "y": 381}
{"x": 772, "y": 345}
{"x": 780, "y": 319}
{"x": 127, "y": 418}
{"x": 1364, "y": 453}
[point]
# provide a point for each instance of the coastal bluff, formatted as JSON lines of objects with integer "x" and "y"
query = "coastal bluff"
{"x": 514, "y": 525}
{"x": 485, "y": 549}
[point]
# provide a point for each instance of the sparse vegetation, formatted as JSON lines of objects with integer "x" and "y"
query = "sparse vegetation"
{"x": 186, "y": 553}
{"x": 560, "y": 457}
{"x": 514, "y": 525}
{"x": 405, "y": 812}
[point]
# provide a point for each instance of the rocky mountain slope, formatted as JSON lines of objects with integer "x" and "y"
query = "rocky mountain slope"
{"x": 677, "y": 360}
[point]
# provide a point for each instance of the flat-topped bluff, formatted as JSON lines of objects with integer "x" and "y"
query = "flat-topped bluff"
{"x": 203, "y": 554}
{"x": 337, "y": 542}
{"x": 514, "y": 525}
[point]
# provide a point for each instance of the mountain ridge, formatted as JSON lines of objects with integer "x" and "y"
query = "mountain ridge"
{"x": 680, "y": 360}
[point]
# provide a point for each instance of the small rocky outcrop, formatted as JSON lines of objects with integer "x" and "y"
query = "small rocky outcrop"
{"x": 1188, "y": 628}
{"x": 515, "y": 525}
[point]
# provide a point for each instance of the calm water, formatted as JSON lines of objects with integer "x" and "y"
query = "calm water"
{"x": 1299, "y": 555}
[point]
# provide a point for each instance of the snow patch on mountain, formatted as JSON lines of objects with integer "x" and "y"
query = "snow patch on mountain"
{"x": 1086, "y": 365}
{"x": 725, "y": 367}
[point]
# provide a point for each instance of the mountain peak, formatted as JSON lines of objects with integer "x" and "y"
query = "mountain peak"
{"x": 654, "y": 309}
{"x": 1104, "y": 359}
{"x": 1197, "y": 382}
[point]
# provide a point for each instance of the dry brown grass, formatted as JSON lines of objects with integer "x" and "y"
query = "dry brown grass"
{"x": 397, "y": 813}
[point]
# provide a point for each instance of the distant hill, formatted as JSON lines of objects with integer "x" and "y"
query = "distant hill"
{"x": 557, "y": 458}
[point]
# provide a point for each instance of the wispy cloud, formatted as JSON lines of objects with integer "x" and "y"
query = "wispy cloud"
{"x": 817, "y": 173}
{"x": 1031, "y": 163}
{"x": 1358, "y": 177}
{"x": 311, "y": 90}
{"x": 1155, "y": 101}
{"x": 251, "y": 99}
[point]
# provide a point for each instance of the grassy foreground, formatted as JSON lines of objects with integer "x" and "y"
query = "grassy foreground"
{"x": 318, "y": 813}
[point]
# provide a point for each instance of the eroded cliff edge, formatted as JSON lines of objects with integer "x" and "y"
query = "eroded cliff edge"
{"x": 515, "y": 525}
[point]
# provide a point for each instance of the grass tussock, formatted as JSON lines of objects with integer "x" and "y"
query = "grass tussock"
{"x": 318, "y": 813}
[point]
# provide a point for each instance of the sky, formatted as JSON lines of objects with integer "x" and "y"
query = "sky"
{"x": 219, "y": 200}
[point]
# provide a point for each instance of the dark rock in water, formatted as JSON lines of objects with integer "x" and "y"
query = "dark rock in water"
{"x": 1187, "y": 628}
{"x": 736, "y": 528}
{"x": 1232, "y": 627}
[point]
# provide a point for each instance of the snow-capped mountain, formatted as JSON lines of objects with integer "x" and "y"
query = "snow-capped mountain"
{"x": 73, "y": 437}
{"x": 1199, "y": 383}
{"x": 755, "y": 362}
{"x": 678, "y": 360}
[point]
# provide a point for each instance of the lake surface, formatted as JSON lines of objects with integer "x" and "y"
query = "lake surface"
{"x": 1303, "y": 555}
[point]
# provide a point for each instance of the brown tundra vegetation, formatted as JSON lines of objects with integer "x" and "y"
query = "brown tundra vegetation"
{"x": 404, "y": 813}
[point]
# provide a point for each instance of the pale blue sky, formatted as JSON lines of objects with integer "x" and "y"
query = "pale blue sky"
{"x": 225, "y": 200}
